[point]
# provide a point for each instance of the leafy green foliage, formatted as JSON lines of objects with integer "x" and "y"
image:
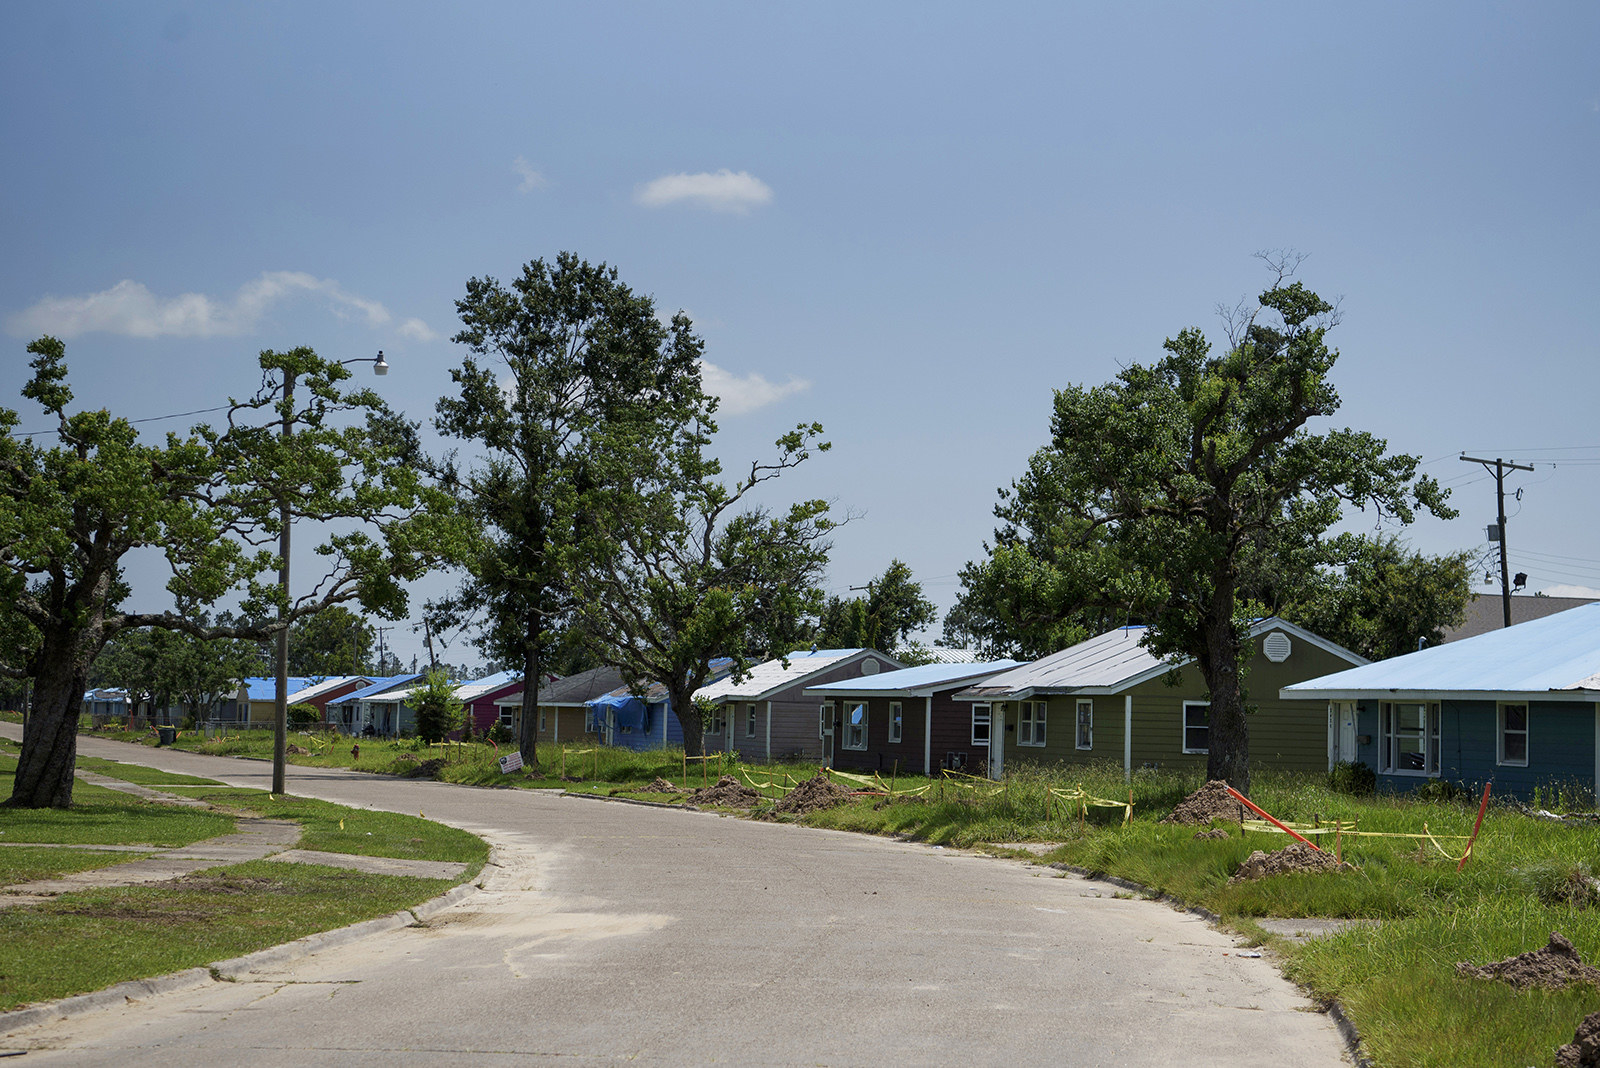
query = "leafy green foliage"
{"x": 438, "y": 711}
{"x": 884, "y": 619}
{"x": 1173, "y": 493}
{"x": 303, "y": 715}
{"x": 332, "y": 642}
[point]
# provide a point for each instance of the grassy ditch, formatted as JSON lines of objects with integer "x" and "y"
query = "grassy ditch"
{"x": 86, "y": 940}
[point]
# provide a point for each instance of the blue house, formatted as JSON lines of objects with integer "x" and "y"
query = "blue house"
{"x": 378, "y": 709}
{"x": 1519, "y": 707}
{"x": 642, "y": 721}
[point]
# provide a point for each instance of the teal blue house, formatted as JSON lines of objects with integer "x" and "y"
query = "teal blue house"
{"x": 1517, "y": 707}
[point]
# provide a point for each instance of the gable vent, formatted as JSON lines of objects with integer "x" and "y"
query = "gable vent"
{"x": 869, "y": 666}
{"x": 1277, "y": 647}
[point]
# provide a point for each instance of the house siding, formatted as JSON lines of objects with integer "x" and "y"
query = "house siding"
{"x": 1562, "y": 745}
{"x": 795, "y": 733}
{"x": 903, "y": 757}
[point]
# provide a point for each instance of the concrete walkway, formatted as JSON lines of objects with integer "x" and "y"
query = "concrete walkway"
{"x": 255, "y": 839}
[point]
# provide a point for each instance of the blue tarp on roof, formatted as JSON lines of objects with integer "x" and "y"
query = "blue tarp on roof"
{"x": 381, "y": 686}
{"x": 259, "y": 689}
{"x": 629, "y": 712}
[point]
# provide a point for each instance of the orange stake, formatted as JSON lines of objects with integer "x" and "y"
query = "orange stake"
{"x": 1483, "y": 806}
{"x": 1264, "y": 814}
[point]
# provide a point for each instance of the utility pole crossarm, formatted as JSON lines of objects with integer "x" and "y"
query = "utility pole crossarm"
{"x": 1498, "y": 468}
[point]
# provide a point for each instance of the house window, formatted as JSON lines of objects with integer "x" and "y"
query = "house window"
{"x": 896, "y": 722}
{"x": 541, "y": 720}
{"x": 855, "y": 726}
{"x": 1411, "y": 738}
{"x": 1513, "y": 735}
{"x": 750, "y": 722}
{"x": 505, "y": 717}
{"x": 1085, "y": 724}
{"x": 1197, "y": 726}
{"x": 1030, "y": 730}
{"x": 825, "y": 719}
{"x": 980, "y": 724}
{"x": 714, "y": 721}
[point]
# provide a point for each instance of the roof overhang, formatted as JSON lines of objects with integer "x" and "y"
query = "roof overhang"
{"x": 1369, "y": 694}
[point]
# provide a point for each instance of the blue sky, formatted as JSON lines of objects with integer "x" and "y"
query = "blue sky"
{"x": 910, "y": 222}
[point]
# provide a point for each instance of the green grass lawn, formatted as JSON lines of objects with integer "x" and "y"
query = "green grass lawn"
{"x": 93, "y": 939}
{"x": 22, "y": 864}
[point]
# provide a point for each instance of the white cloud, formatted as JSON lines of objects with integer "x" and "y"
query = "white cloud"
{"x": 722, "y": 191}
{"x": 746, "y": 394}
{"x": 531, "y": 179}
{"x": 417, "y": 330}
{"x": 130, "y": 309}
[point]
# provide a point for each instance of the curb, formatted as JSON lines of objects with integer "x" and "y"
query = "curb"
{"x": 232, "y": 969}
{"x": 1335, "y": 1011}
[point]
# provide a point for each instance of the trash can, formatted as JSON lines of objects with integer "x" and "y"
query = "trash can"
{"x": 166, "y": 735}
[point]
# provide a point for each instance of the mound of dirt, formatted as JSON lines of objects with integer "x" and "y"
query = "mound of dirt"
{"x": 427, "y": 769}
{"x": 297, "y": 750}
{"x": 816, "y": 793}
{"x": 1584, "y": 1049}
{"x": 658, "y": 785}
{"x": 1552, "y": 967}
{"x": 1294, "y": 857}
{"x": 1211, "y": 802}
{"x": 729, "y": 792}
{"x": 1215, "y": 834}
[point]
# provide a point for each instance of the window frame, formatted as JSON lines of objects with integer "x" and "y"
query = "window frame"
{"x": 1501, "y": 732}
{"x": 855, "y": 734}
{"x": 897, "y": 722}
{"x": 714, "y": 724}
{"x": 987, "y": 721}
{"x": 1083, "y": 724}
{"x": 1032, "y": 720}
{"x": 1187, "y": 748}
{"x": 1388, "y": 739}
{"x": 750, "y": 720}
{"x": 824, "y": 718}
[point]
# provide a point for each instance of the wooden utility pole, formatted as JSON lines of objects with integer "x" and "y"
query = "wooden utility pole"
{"x": 1499, "y": 469}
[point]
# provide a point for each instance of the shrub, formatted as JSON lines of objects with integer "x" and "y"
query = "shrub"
{"x": 500, "y": 734}
{"x": 303, "y": 716}
{"x": 1353, "y": 777}
{"x": 438, "y": 711}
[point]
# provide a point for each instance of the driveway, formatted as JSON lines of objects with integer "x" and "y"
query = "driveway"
{"x": 616, "y": 932}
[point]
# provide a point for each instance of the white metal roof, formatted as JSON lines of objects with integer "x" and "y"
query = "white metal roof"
{"x": 1112, "y": 662}
{"x": 910, "y": 682}
{"x": 769, "y": 677}
{"x": 471, "y": 691}
{"x": 317, "y": 689}
{"x": 1557, "y": 656}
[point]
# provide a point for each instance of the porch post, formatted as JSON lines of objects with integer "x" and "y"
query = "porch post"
{"x": 927, "y": 737}
{"x": 769, "y": 732}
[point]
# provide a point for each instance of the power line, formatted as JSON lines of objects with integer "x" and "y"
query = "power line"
{"x": 147, "y": 419}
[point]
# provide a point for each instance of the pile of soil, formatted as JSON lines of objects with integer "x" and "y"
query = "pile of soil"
{"x": 1215, "y": 834}
{"x": 428, "y": 769}
{"x": 1211, "y": 802}
{"x": 729, "y": 792}
{"x": 297, "y": 750}
{"x": 658, "y": 785}
{"x": 1584, "y": 1049}
{"x": 813, "y": 795}
{"x": 1294, "y": 857}
{"x": 1555, "y": 966}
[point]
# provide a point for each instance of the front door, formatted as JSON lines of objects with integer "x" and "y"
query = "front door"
{"x": 1341, "y": 731}
{"x": 826, "y": 719}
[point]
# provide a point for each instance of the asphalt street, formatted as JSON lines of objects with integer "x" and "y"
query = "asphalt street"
{"x": 613, "y": 932}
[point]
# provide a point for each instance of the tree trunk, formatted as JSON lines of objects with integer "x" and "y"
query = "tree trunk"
{"x": 694, "y": 731}
{"x": 527, "y": 732}
{"x": 50, "y": 739}
{"x": 1229, "y": 756}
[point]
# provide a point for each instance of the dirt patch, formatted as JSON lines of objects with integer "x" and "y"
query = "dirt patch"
{"x": 1292, "y": 858}
{"x": 658, "y": 785}
{"x": 728, "y": 792}
{"x": 297, "y": 750}
{"x": 1215, "y": 834}
{"x": 813, "y": 795}
{"x": 428, "y": 769}
{"x": 1584, "y": 1049}
{"x": 1211, "y": 802}
{"x": 1554, "y": 966}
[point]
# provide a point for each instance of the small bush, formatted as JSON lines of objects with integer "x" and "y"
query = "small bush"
{"x": 301, "y": 716}
{"x": 1354, "y": 778}
{"x": 500, "y": 734}
{"x": 1439, "y": 790}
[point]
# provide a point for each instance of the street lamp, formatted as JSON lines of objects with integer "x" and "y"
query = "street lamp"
{"x": 280, "y": 712}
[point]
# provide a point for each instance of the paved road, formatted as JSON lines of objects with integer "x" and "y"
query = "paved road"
{"x": 622, "y": 933}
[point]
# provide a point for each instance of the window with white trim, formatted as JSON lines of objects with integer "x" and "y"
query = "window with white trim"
{"x": 896, "y": 722}
{"x": 1085, "y": 739}
{"x": 1197, "y": 726}
{"x": 1513, "y": 735}
{"x": 714, "y": 721}
{"x": 506, "y": 712}
{"x": 980, "y": 724}
{"x": 855, "y": 725}
{"x": 541, "y": 719}
{"x": 1410, "y": 732}
{"x": 750, "y": 722}
{"x": 1031, "y": 723}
